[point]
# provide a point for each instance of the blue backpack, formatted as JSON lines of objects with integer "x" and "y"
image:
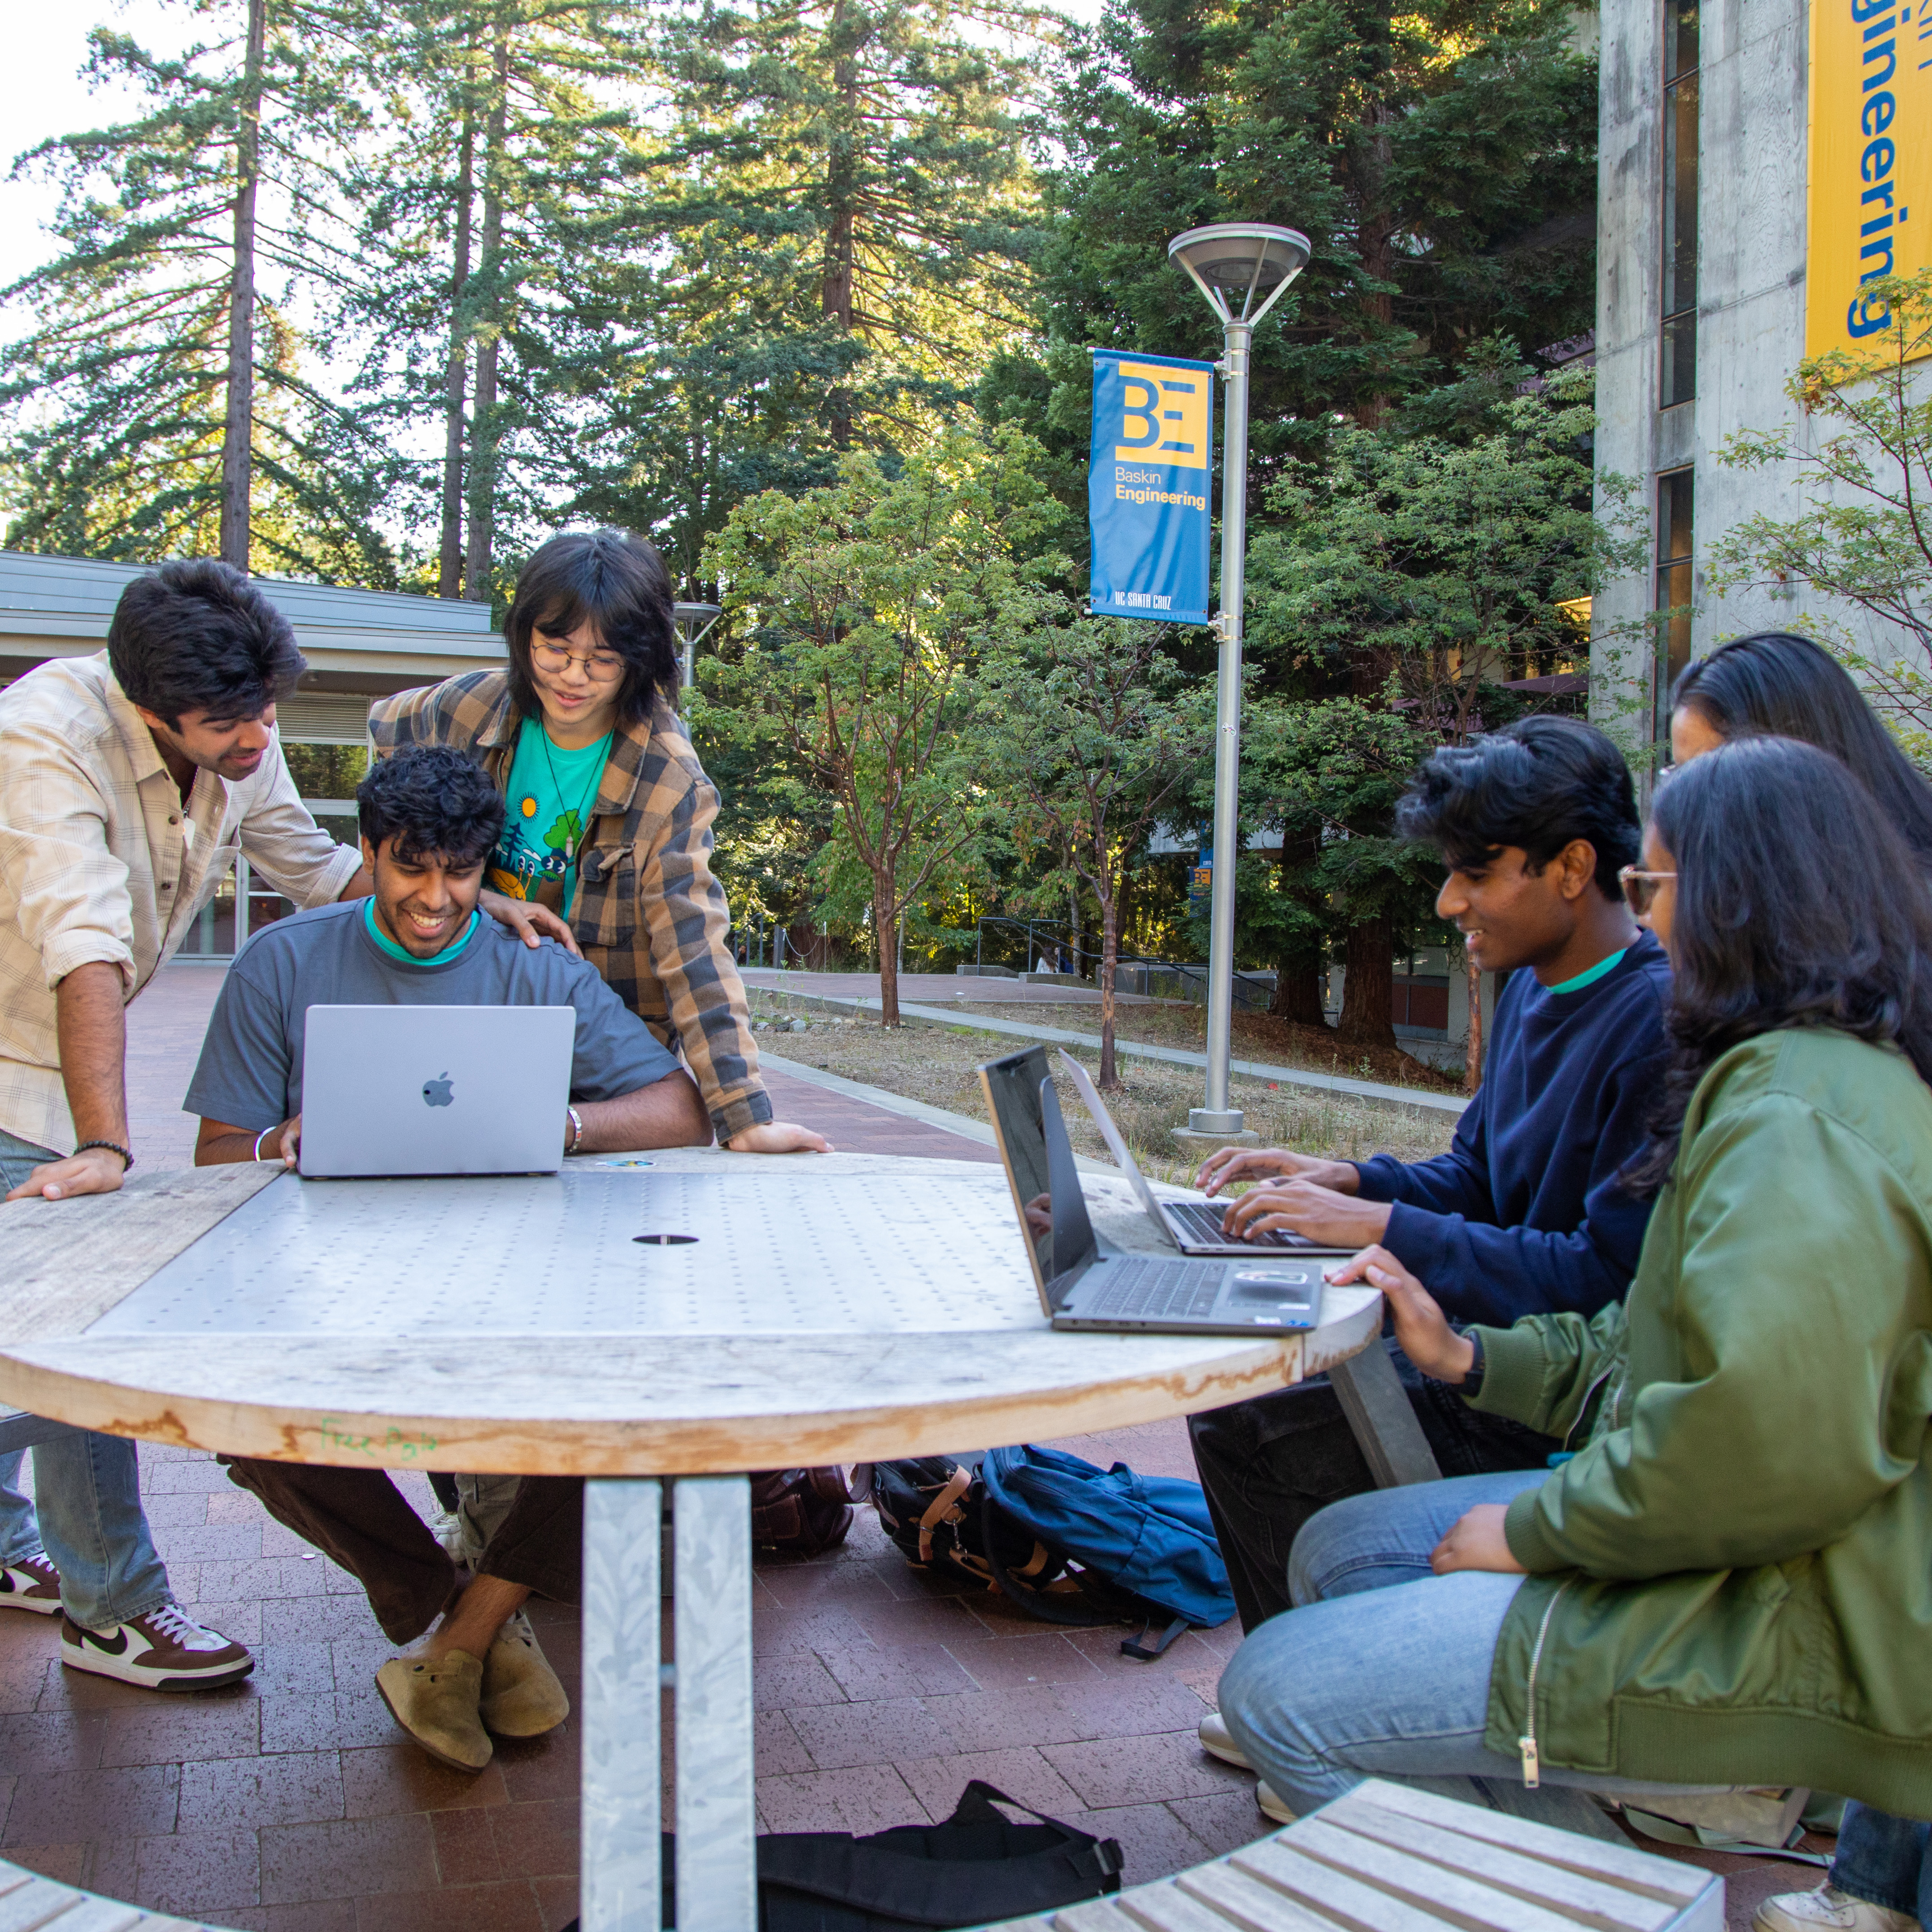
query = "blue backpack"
{"x": 1069, "y": 1542}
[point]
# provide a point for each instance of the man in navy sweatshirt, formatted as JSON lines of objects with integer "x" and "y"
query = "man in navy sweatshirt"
{"x": 1523, "y": 1216}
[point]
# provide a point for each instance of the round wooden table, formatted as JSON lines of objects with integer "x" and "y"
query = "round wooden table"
{"x": 836, "y": 1308}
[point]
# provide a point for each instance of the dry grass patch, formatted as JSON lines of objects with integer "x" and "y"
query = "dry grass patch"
{"x": 924, "y": 1060}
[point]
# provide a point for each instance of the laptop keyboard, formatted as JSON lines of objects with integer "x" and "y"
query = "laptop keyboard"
{"x": 1154, "y": 1290}
{"x": 1202, "y": 1223}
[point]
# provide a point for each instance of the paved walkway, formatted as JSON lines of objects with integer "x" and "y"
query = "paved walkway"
{"x": 941, "y": 986}
{"x": 828, "y": 989}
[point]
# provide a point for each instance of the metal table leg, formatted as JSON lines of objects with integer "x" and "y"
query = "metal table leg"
{"x": 717, "y": 1817}
{"x": 1384, "y": 1427}
{"x": 620, "y": 1860}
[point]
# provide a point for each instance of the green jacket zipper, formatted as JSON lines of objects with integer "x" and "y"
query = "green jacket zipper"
{"x": 1532, "y": 1764}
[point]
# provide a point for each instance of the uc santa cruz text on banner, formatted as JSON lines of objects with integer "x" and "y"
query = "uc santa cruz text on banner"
{"x": 1147, "y": 486}
{"x": 1871, "y": 163}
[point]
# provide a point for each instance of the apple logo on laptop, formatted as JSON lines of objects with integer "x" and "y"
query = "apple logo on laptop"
{"x": 439, "y": 1093}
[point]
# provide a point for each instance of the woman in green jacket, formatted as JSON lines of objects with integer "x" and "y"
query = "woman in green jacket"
{"x": 1730, "y": 1581}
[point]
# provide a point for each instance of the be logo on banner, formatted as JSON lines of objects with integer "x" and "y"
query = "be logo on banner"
{"x": 1147, "y": 488}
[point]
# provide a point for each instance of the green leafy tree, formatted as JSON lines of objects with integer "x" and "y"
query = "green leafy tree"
{"x": 863, "y": 609}
{"x": 1860, "y": 473}
{"x": 1439, "y": 566}
{"x": 502, "y": 177}
{"x": 156, "y": 401}
{"x": 1440, "y": 159}
{"x": 819, "y": 255}
{"x": 1090, "y": 736}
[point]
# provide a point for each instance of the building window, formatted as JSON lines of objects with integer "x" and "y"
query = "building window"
{"x": 1674, "y": 504}
{"x": 1680, "y": 201}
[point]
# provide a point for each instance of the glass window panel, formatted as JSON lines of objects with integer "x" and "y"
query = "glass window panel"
{"x": 1680, "y": 197}
{"x": 1680, "y": 359}
{"x": 1680, "y": 38}
{"x": 1675, "y": 493}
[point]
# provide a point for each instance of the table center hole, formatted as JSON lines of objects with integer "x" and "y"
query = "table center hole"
{"x": 664, "y": 1240}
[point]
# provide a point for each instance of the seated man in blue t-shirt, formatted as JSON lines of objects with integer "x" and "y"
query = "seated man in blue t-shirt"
{"x": 1524, "y": 1214}
{"x": 429, "y": 819}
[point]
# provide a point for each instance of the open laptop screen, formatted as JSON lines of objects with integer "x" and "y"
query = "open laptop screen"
{"x": 1045, "y": 1185}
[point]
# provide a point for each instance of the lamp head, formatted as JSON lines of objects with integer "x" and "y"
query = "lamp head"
{"x": 1234, "y": 264}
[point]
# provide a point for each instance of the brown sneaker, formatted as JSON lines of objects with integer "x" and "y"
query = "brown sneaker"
{"x": 165, "y": 1650}
{"x": 521, "y": 1696}
{"x": 31, "y": 1584}
{"x": 435, "y": 1703}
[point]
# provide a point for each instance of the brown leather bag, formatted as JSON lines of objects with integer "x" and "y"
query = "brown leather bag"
{"x": 802, "y": 1512}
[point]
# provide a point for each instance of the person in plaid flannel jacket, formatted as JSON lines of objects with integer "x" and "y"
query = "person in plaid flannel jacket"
{"x": 624, "y": 863}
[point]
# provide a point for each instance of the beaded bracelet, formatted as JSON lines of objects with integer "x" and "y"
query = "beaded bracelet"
{"x": 112, "y": 1147}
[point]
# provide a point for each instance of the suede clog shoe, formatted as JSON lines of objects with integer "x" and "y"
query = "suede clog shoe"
{"x": 435, "y": 1703}
{"x": 521, "y": 1696}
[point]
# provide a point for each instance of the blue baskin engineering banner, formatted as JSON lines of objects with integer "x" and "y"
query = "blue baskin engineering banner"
{"x": 1147, "y": 487}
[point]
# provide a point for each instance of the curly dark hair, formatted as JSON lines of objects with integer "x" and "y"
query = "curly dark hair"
{"x": 1778, "y": 684}
{"x": 1797, "y": 905}
{"x": 1539, "y": 783}
{"x": 617, "y": 585}
{"x": 432, "y": 799}
{"x": 196, "y": 635}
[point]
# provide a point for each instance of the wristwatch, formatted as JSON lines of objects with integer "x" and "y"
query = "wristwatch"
{"x": 1472, "y": 1382}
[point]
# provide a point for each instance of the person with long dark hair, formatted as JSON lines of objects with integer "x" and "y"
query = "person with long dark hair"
{"x": 610, "y": 812}
{"x": 1778, "y": 684}
{"x": 1727, "y": 1583}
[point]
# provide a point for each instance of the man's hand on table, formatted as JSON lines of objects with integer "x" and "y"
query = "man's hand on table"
{"x": 530, "y": 921}
{"x": 222, "y": 1145}
{"x": 778, "y": 1137}
{"x": 94, "y": 1171}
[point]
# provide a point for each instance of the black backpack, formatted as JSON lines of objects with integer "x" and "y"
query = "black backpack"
{"x": 975, "y": 1868}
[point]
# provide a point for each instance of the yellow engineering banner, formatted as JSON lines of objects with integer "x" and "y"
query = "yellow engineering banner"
{"x": 1871, "y": 162}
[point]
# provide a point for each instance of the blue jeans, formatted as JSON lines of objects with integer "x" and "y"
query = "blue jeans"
{"x": 1884, "y": 1861}
{"x": 88, "y": 1486}
{"x": 1382, "y": 1668}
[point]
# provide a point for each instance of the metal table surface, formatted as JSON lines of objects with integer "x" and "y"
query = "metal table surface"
{"x": 836, "y": 1309}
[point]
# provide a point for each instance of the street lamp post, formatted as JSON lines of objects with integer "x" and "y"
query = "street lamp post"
{"x": 1247, "y": 263}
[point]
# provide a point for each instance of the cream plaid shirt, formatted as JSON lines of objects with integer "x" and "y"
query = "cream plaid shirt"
{"x": 99, "y": 860}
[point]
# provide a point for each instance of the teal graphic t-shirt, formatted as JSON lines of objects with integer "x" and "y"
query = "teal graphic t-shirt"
{"x": 548, "y": 809}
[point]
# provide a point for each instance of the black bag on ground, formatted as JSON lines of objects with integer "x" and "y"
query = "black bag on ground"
{"x": 976, "y": 1868}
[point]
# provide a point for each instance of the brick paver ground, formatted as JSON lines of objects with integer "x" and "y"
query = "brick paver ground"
{"x": 290, "y": 1803}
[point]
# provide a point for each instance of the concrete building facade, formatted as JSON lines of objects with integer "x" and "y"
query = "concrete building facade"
{"x": 1701, "y": 321}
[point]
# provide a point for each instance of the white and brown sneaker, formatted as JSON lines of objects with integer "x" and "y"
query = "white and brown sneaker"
{"x": 165, "y": 1650}
{"x": 33, "y": 1584}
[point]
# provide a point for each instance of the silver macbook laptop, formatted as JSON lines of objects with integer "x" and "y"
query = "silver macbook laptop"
{"x": 1083, "y": 1281}
{"x": 1194, "y": 1226}
{"x": 391, "y": 1091}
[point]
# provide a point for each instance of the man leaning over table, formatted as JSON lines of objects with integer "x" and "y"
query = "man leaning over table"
{"x": 127, "y": 783}
{"x": 429, "y": 819}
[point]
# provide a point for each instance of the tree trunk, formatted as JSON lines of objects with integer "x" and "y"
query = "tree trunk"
{"x": 1297, "y": 973}
{"x": 238, "y": 428}
{"x": 449, "y": 575}
{"x": 1368, "y": 990}
{"x": 1472, "y": 1058}
{"x": 1298, "y": 992}
{"x": 486, "y": 432}
{"x": 885, "y": 922}
{"x": 841, "y": 189}
{"x": 1110, "y": 1077}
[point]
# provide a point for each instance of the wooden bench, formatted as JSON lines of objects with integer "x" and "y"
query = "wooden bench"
{"x": 1386, "y": 1858}
{"x": 29, "y": 1903}
{"x": 20, "y": 1430}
